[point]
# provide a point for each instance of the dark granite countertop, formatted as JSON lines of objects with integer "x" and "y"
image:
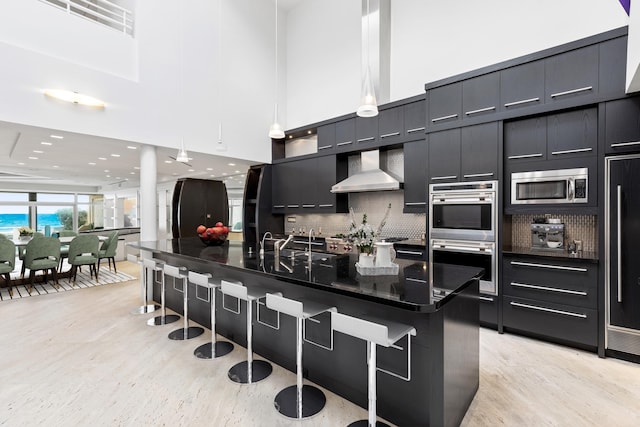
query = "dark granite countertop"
{"x": 333, "y": 273}
{"x": 549, "y": 253}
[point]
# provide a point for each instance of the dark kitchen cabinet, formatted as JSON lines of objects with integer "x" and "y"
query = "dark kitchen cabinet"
{"x": 279, "y": 190}
{"x": 391, "y": 125}
{"x": 444, "y": 156}
{"x": 481, "y": 95}
{"x": 479, "y": 152}
{"x": 572, "y": 74}
{"x": 515, "y": 93}
{"x": 525, "y": 140}
{"x": 345, "y": 135}
{"x": 551, "y": 298}
{"x": 612, "y": 72}
{"x": 366, "y": 132}
{"x": 489, "y": 310}
{"x": 572, "y": 133}
{"x": 305, "y": 178}
{"x": 445, "y": 104}
{"x": 415, "y": 252}
{"x": 326, "y": 175}
{"x": 326, "y": 138}
{"x": 198, "y": 202}
{"x": 622, "y": 126}
{"x": 415, "y": 117}
{"x": 415, "y": 176}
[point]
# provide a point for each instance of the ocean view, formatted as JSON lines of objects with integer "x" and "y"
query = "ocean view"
{"x": 10, "y": 221}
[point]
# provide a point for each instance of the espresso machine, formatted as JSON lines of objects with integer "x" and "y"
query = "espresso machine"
{"x": 547, "y": 236}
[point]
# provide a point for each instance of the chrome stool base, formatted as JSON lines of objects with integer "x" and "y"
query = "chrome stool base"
{"x": 365, "y": 423}
{"x": 163, "y": 320}
{"x": 261, "y": 369}
{"x": 204, "y": 351}
{"x": 313, "y": 400}
{"x": 144, "y": 309}
{"x": 186, "y": 333}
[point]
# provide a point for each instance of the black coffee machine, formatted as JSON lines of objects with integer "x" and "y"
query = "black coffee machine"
{"x": 547, "y": 234}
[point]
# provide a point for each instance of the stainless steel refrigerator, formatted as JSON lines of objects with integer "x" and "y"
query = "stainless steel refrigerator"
{"x": 622, "y": 253}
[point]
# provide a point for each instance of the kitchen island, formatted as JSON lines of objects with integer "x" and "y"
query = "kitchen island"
{"x": 444, "y": 354}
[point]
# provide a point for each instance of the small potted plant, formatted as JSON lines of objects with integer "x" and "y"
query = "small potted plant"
{"x": 363, "y": 236}
{"x": 25, "y": 232}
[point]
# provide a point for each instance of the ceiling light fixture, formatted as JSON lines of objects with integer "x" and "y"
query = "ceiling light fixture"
{"x": 115, "y": 155}
{"x": 57, "y": 136}
{"x": 46, "y": 143}
{"x": 182, "y": 156}
{"x": 131, "y": 147}
{"x": 74, "y": 97}
{"x": 368, "y": 104}
{"x": 275, "y": 131}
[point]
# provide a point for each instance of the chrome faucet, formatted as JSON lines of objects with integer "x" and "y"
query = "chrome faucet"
{"x": 262, "y": 243}
{"x": 281, "y": 244}
{"x": 311, "y": 232}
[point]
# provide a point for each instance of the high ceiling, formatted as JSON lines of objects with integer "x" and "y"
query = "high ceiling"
{"x": 34, "y": 155}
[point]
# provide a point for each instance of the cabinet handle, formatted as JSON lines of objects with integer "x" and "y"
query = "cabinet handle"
{"x": 340, "y": 144}
{"x": 549, "y": 310}
{"x": 415, "y": 130}
{"x": 624, "y": 144}
{"x": 387, "y": 135}
{"x": 325, "y": 206}
{"x": 547, "y": 288}
{"x": 415, "y": 203}
{"x": 400, "y": 251}
{"x": 411, "y": 279}
{"x": 524, "y": 156}
{"x": 439, "y": 119}
{"x": 293, "y": 206}
{"x": 305, "y": 242}
{"x": 308, "y": 206}
{"x": 324, "y": 147}
{"x": 572, "y": 91}
{"x": 552, "y": 267}
{"x": 480, "y": 110}
{"x": 577, "y": 150}
{"x": 619, "y": 214}
{"x": 278, "y": 206}
{"x": 477, "y": 175}
{"x": 524, "y": 101}
{"x": 488, "y": 299}
{"x": 370, "y": 138}
{"x": 437, "y": 178}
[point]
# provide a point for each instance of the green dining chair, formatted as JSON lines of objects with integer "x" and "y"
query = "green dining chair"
{"x": 64, "y": 249}
{"x": 7, "y": 260}
{"x": 22, "y": 249}
{"x": 83, "y": 250}
{"x": 42, "y": 253}
{"x": 108, "y": 250}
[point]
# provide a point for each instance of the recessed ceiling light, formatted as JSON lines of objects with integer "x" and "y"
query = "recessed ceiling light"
{"x": 21, "y": 163}
{"x": 33, "y": 158}
{"x": 167, "y": 161}
{"x": 108, "y": 176}
{"x": 106, "y": 170}
{"x": 237, "y": 171}
{"x": 117, "y": 177}
{"x": 115, "y": 155}
{"x": 102, "y": 158}
{"x": 56, "y": 166}
{"x": 212, "y": 176}
{"x": 209, "y": 169}
{"x": 136, "y": 167}
{"x": 175, "y": 173}
{"x": 131, "y": 147}
{"x": 126, "y": 179}
{"x": 57, "y": 136}
{"x": 74, "y": 97}
{"x": 241, "y": 176}
{"x": 132, "y": 173}
{"x": 191, "y": 170}
{"x": 46, "y": 143}
{"x": 92, "y": 163}
{"x": 224, "y": 173}
{"x": 38, "y": 151}
{"x": 232, "y": 164}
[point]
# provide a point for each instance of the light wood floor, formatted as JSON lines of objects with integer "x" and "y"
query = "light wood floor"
{"x": 79, "y": 358}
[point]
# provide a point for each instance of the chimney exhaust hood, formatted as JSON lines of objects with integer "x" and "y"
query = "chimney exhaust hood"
{"x": 369, "y": 178}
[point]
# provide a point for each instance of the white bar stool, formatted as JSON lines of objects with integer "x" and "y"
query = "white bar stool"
{"x": 145, "y": 307}
{"x": 289, "y": 401}
{"x": 212, "y": 349}
{"x": 155, "y": 265}
{"x": 186, "y": 332}
{"x": 249, "y": 371}
{"x": 378, "y": 332}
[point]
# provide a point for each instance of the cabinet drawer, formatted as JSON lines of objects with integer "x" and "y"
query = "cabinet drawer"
{"x": 411, "y": 252}
{"x": 488, "y": 310}
{"x": 551, "y": 273}
{"x": 566, "y": 323}
{"x": 559, "y": 292}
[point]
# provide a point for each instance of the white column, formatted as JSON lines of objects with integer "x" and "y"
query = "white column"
{"x": 148, "y": 194}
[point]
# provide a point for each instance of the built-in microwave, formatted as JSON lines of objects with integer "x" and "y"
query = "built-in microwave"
{"x": 550, "y": 186}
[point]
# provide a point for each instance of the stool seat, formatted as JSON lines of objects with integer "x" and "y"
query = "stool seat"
{"x": 145, "y": 307}
{"x": 298, "y": 401}
{"x": 374, "y": 331}
{"x": 186, "y": 332}
{"x": 212, "y": 349}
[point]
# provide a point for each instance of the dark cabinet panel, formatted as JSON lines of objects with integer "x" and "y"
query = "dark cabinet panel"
{"x": 415, "y": 117}
{"x": 444, "y": 156}
{"x": 572, "y": 134}
{"x": 345, "y": 135}
{"x": 419, "y": 253}
{"x": 279, "y": 183}
{"x": 445, "y": 104}
{"x": 326, "y": 138}
{"x": 366, "y": 132}
{"x": 572, "y": 74}
{"x": 391, "y": 125}
{"x": 479, "y": 152}
{"x": 622, "y": 126}
{"x": 481, "y": 95}
{"x": 522, "y": 86}
{"x": 325, "y": 176}
{"x": 415, "y": 176}
{"x": 304, "y": 181}
{"x": 613, "y": 57}
{"x": 489, "y": 310}
{"x": 525, "y": 140}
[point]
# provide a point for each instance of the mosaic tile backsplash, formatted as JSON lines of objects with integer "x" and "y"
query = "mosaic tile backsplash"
{"x": 577, "y": 227}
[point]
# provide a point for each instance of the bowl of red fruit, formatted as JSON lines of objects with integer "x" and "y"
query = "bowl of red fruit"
{"x": 212, "y": 236}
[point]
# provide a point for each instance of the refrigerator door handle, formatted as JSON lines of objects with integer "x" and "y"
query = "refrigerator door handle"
{"x": 619, "y": 243}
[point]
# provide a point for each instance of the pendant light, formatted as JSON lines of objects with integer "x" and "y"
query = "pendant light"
{"x": 220, "y": 146}
{"x": 182, "y": 153}
{"x": 368, "y": 104}
{"x": 275, "y": 131}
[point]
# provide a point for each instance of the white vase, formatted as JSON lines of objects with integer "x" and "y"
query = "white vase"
{"x": 365, "y": 260}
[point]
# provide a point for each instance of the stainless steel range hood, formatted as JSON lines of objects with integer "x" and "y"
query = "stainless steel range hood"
{"x": 369, "y": 178}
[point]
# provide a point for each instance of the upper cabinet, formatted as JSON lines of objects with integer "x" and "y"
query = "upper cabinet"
{"x": 479, "y": 152}
{"x": 415, "y": 117}
{"x": 345, "y": 135}
{"x": 445, "y": 104}
{"x": 622, "y": 126}
{"x": 525, "y": 140}
{"x": 514, "y": 94}
{"x": 572, "y": 133}
{"x": 391, "y": 125}
{"x": 481, "y": 95}
{"x": 366, "y": 132}
{"x": 326, "y": 138}
{"x": 571, "y": 74}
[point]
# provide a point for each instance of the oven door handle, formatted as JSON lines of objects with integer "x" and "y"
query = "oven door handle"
{"x": 439, "y": 200}
{"x": 461, "y": 248}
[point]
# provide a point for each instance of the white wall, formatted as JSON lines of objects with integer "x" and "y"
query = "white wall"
{"x": 633, "y": 51}
{"x": 430, "y": 40}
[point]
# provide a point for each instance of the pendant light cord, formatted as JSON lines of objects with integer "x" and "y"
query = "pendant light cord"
{"x": 368, "y": 38}
{"x": 276, "y": 74}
